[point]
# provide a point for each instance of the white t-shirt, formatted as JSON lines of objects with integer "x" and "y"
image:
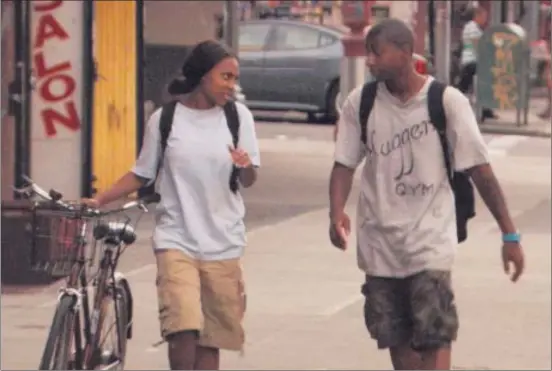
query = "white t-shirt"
{"x": 406, "y": 214}
{"x": 470, "y": 32}
{"x": 198, "y": 212}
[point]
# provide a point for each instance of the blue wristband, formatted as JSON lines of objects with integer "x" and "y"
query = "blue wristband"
{"x": 511, "y": 237}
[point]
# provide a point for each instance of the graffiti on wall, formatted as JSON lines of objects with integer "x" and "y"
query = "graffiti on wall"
{"x": 504, "y": 70}
{"x": 54, "y": 76}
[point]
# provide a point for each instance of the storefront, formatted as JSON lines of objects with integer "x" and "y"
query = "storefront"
{"x": 45, "y": 85}
{"x": 79, "y": 74}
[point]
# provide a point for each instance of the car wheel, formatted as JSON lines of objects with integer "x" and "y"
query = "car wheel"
{"x": 313, "y": 117}
{"x": 331, "y": 113}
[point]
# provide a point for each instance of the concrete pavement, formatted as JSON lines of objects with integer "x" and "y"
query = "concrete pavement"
{"x": 304, "y": 304}
{"x": 304, "y": 307}
{"x": 505, "y": 124}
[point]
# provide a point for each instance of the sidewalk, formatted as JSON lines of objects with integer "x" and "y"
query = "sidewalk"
{"x": 506, "y": 122}
{"x": 305, "y": 308}
{"x": 304, "y": 304}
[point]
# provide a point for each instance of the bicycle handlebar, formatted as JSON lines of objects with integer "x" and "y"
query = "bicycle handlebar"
{"x": 57, "y": 199}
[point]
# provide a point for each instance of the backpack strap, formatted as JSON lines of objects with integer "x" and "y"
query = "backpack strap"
{"x": 438, "y": 119}
{"x": 165, "y": 126}
{"x": 233, "y": 121}
{"x": 367, "y": 99}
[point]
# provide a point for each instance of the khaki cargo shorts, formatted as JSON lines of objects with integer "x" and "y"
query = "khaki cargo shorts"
{"x": 206, "y": 296}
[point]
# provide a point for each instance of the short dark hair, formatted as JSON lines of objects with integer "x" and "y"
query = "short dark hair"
{"x": 393, "y": 31}
{"x": 478, "y": 10}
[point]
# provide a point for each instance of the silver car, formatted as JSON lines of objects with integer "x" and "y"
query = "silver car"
{"x": 290, "y": 65}
{"x": 293, "y": 65}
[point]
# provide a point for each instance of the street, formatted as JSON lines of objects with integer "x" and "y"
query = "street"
{"x": 304, "y": 307}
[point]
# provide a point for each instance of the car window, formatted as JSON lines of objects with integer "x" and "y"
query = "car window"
{"x": 253, "y": 37}
{"x": 326, "y": 39}
{"x": 295, "y": 37}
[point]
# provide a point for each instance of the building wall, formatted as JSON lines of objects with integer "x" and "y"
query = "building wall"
{"x": 170, "y": 28}
{"x": 180, "y": 22}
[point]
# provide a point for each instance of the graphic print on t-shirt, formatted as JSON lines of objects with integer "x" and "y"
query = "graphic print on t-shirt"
{"x": 397, "y": 153}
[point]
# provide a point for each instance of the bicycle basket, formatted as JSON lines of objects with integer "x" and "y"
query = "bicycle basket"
{"x": 56, "y": 243}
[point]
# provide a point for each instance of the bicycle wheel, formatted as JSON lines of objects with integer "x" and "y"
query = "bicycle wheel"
{"x": 57, "y": 352}
{"x": 114, "y": 331}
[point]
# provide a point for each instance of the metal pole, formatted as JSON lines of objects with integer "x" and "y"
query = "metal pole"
{"x": 447, "y": 30}
{"x": 23, "y": 86}
{"x": 496, "y": 12}
{"x": 431, "y": 30}
{"x": 442, "y": 40}
{"x": 522, "y": 92}
{"x": 532, "y": 16}
{"x": 353, "y": 63}
{"x": 231, "y": 24}
{"x": 532, "y": 13}
{"x": 87, "y": 176}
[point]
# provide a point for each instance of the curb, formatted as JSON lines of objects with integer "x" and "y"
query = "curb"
{"x": 528, "y": 132}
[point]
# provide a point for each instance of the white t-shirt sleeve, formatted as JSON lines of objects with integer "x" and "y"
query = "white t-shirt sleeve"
{"x": 467, "y": 145}
{"x": 471, "y": 32}
{"x": 146, "y": 164}
{"x": 248, "y": 137}
{"x": 349, "y": 150}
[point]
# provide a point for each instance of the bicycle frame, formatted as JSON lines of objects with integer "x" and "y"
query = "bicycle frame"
{"x": 78, "y": 285}
{"x": 104, "y": 282}
{"x": 87, "y": 335}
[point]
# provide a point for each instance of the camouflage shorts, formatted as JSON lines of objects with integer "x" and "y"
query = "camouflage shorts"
{"x": 418, "y": 310}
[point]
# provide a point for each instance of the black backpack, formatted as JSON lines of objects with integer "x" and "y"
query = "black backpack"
{"x": 165, "y": 126}
{"x": 459, "y": 181}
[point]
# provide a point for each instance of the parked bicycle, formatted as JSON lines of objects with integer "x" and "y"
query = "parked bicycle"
{"x": 80, "y": 329}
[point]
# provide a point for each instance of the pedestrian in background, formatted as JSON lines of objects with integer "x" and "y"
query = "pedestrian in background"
{"x": 199, "y": 235}
{"x": 406, "y": 217}
{"x": 471, "y": 33}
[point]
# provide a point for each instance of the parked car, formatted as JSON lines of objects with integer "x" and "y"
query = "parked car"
{"x": 292, "y": 65}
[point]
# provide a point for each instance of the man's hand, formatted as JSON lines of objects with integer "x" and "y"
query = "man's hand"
{"x": 512, "y": 254}
{"x": 491, "y": 193}
{"x": 240, "y": 158}
{"x": 340, "y": 228}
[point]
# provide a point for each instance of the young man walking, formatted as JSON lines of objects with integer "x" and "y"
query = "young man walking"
{"x": 406, "y": 227}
